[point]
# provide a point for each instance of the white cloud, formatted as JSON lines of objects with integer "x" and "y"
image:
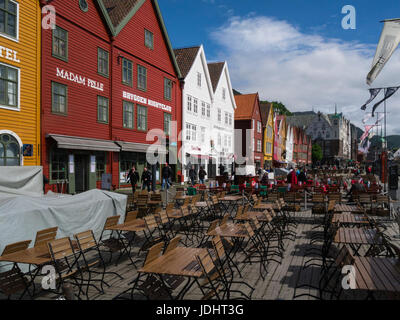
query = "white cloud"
{"x": 303, "y": 70}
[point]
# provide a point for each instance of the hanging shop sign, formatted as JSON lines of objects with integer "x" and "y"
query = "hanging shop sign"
{"x": 80, "y": 79}
{"x": 145, "y": 101}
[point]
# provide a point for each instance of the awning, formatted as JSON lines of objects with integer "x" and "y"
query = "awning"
{"x": 79, "y": 143}
{"x": 138, "y": 147}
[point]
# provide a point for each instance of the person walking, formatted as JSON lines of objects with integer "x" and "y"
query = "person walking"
{"x": 192, "y": 175}
{"x": 166, "y": 175}
{"x": 133, "y": 177}
{"x": 202, "y": 175}
{"x": 146, "y": 179}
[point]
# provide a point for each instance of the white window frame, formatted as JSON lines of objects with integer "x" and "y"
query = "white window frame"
{"x": 203, "y": 109}
{"x": 199, "y": 79}
{"x": 259, "y": 146}
{"x": 226, "y": 118}
{"x": 208, "y": 111}
{"x": 223, "y": 94}
{"x": 17, "y": 31}
{"x": 18, "y": 107}
{"x": 195, "y": 105}
{"x": 189, "y": 102}
{"x": 11, "y": 133}
{"x": 259, "y": 127}
{"x": 219, "y": 115}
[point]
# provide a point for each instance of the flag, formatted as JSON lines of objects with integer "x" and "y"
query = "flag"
{"x": 366, "y": 132}
{"x": 373, "y": 93}
{"x": 371, "y": 135}
{"x": 366, "y": 118}
{"x": 388, "y": 93}
{"x": 380, "y": 117}
{"x": 388, "y": 42}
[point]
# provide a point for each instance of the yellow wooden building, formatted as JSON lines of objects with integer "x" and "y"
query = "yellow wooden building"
{"x": 267, "y": 115}
{"x": 20, "y": 29}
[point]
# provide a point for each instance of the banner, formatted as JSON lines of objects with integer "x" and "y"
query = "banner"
{"x": 374, "y": 93}
{"x": 388, "y": 42}
{"x": 388, "y": 93}
{"x": 366, "y": 132}
{"x": 366, "y": 118}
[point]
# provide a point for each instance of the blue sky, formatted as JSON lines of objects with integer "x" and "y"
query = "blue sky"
{"x": 295, "y": 51}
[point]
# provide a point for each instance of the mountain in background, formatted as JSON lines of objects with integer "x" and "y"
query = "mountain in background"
{"x": 393, "y": 142}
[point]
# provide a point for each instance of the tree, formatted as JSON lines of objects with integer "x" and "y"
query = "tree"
{"x": 279, "y": 108}
{"x": 316, "y": 153}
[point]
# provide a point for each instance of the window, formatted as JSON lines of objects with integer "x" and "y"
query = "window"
{"x": 269, "y": 147}
{"x": 8, "y": 18}
{"x": 195, "y": 105}
{"x": 190, "y": 132}
{"x": 59, "y": 98}
{"x": 208, "y": 111}
{"x": 102, "y": 62}
{"x": 167, "y": 89}
{"x": 230, "y": 119}
{"x": 203, "y": 134}
{"x": 127, "y": 72}
{"x": 189, "y": 103}
{"x": 58, "y": 166}
{"x": 83, "y": 5}
{"x": 219, "y": 115}
{"x": 60, "y": 43}
{"x": 167, "y": 124}
{"x": 128, "y": 115}
{"x": 100, "y": 166}
{"x": 203, "y": 109}
{"x": 10, "y": 151}
{"x": 226, "y": 118}
{"x": 9, "y": 78}
{"x": 223, "y": 93}
{"x": 259, "y": 127}
{"x": 269, "y": 132}
{"x": 141, "y": 118}
{"x": 142, "y": 78}
{"x": 102, "y": 109}
{"x": 148, "y": 39}
{"x": 259, "y": 146}
{"x": 199, "y": 79}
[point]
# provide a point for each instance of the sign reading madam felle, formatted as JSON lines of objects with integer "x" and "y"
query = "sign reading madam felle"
{"x": 79, "y": 79}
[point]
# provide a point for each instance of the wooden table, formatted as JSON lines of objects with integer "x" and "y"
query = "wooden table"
{"x": 229, "y": 230}
{"x": 347, "y": 218}
{"x": 357, "y": 237}
{"x": 179, "y": 262}
{"x": 339, "y": 208}
{"x": 231, "y": 201}
{"x": 250, "y": 215}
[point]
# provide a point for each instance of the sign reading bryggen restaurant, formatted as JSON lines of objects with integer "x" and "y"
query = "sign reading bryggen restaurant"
{"x": 80, "y": 79}
{"x": 151, "y": 103}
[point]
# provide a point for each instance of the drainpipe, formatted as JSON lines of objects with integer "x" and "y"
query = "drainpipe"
{"x": 110, "y": 113}
{"x": 183, "y": 137}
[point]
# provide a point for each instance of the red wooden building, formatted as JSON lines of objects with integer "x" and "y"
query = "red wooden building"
{"x": 248, "y": 118}
{"x": 109, "y": 77}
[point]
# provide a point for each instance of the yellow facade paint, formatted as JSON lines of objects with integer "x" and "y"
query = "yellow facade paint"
{"x": 23, "y": 52}
{"x": 268, "y": 156}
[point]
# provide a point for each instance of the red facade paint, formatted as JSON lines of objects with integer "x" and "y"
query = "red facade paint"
{"x": 88, "y": 31}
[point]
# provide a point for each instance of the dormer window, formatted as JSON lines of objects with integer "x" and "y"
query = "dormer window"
{"x": 199, "y": 79}
{"x": 83, "y": 5}
{"x": 223, "y": 93}
{"x": 148, "y": 39}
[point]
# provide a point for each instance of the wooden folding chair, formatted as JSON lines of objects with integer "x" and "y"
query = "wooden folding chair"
{"x": 44, "y": 236}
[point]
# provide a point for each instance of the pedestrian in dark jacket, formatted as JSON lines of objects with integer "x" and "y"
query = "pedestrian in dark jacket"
{"x": 146, "y": 179}
{"x": 166, "y": 176}
{"x": 202, "y": 175}
{"x": 192, "y": 175}
{"x": 133, "y": 177}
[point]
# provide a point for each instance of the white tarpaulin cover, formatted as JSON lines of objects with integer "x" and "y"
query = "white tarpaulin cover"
{"x": 21, "y": 180}
{"x": 23, "y": 214}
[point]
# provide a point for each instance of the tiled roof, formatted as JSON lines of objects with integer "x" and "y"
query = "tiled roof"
{"x": 265, "y": 108}
{"x": 118, "y": 9}
{"x": 215, "y": 70}
{"x": 185, "y": 58}
{"x": 245, "y": 106}
{"x": 301, "y": 121}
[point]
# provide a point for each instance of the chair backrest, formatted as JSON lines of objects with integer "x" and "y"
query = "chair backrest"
{"x": 156, "y": 197}
{"x": 86, "y": 240}
{"x": 239, "y": 211}
{"x": 154, "y": 252}
{"x": 185, "y": 210}
{"x": 344, "y": 257}
{"x": 335, "y": 196}
{"x": 219, "y": 247}
{"x": 150, "y": 222}
{"x": 60, "y": 248}
{"x": 213, "y": 225}
{"x": 224, "y": 220}
{"x": 206, "y": 263}
{"x": 44, "y": 236}
{"x": 15, "y": 247}
{"x": 173, "y": 244}
{"x": 249, "y": 229}
{"x": 331, "y": 205}
{"x": 256, "y": 223}
{"x": 111, "y": 221}
{"x": 164, "y": 217}
{"x": 131, "y": 216}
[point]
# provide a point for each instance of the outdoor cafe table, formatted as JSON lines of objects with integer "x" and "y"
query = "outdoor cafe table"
{"x": 37, "y": 256}
{"x": 181, "y": 199}
{"x": 230, "y": 203}
{"x": 358, "y": 237}
{"x": 179, "y": 262}
{"x": 339, "y": 208}
{"x": 349, "y": 219}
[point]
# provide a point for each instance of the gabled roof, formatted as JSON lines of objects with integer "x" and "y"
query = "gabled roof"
{"x": 265, "y": 108}
{"x": 302, "y": 121}
{"x": 215, "y": 70}
{"x": 185, "y": 58}
{"x": 118, "y": 13}
{"x": 245, "y": 106}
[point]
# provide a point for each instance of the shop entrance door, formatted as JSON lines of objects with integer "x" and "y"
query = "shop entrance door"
{"x": 81, "y": 173}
